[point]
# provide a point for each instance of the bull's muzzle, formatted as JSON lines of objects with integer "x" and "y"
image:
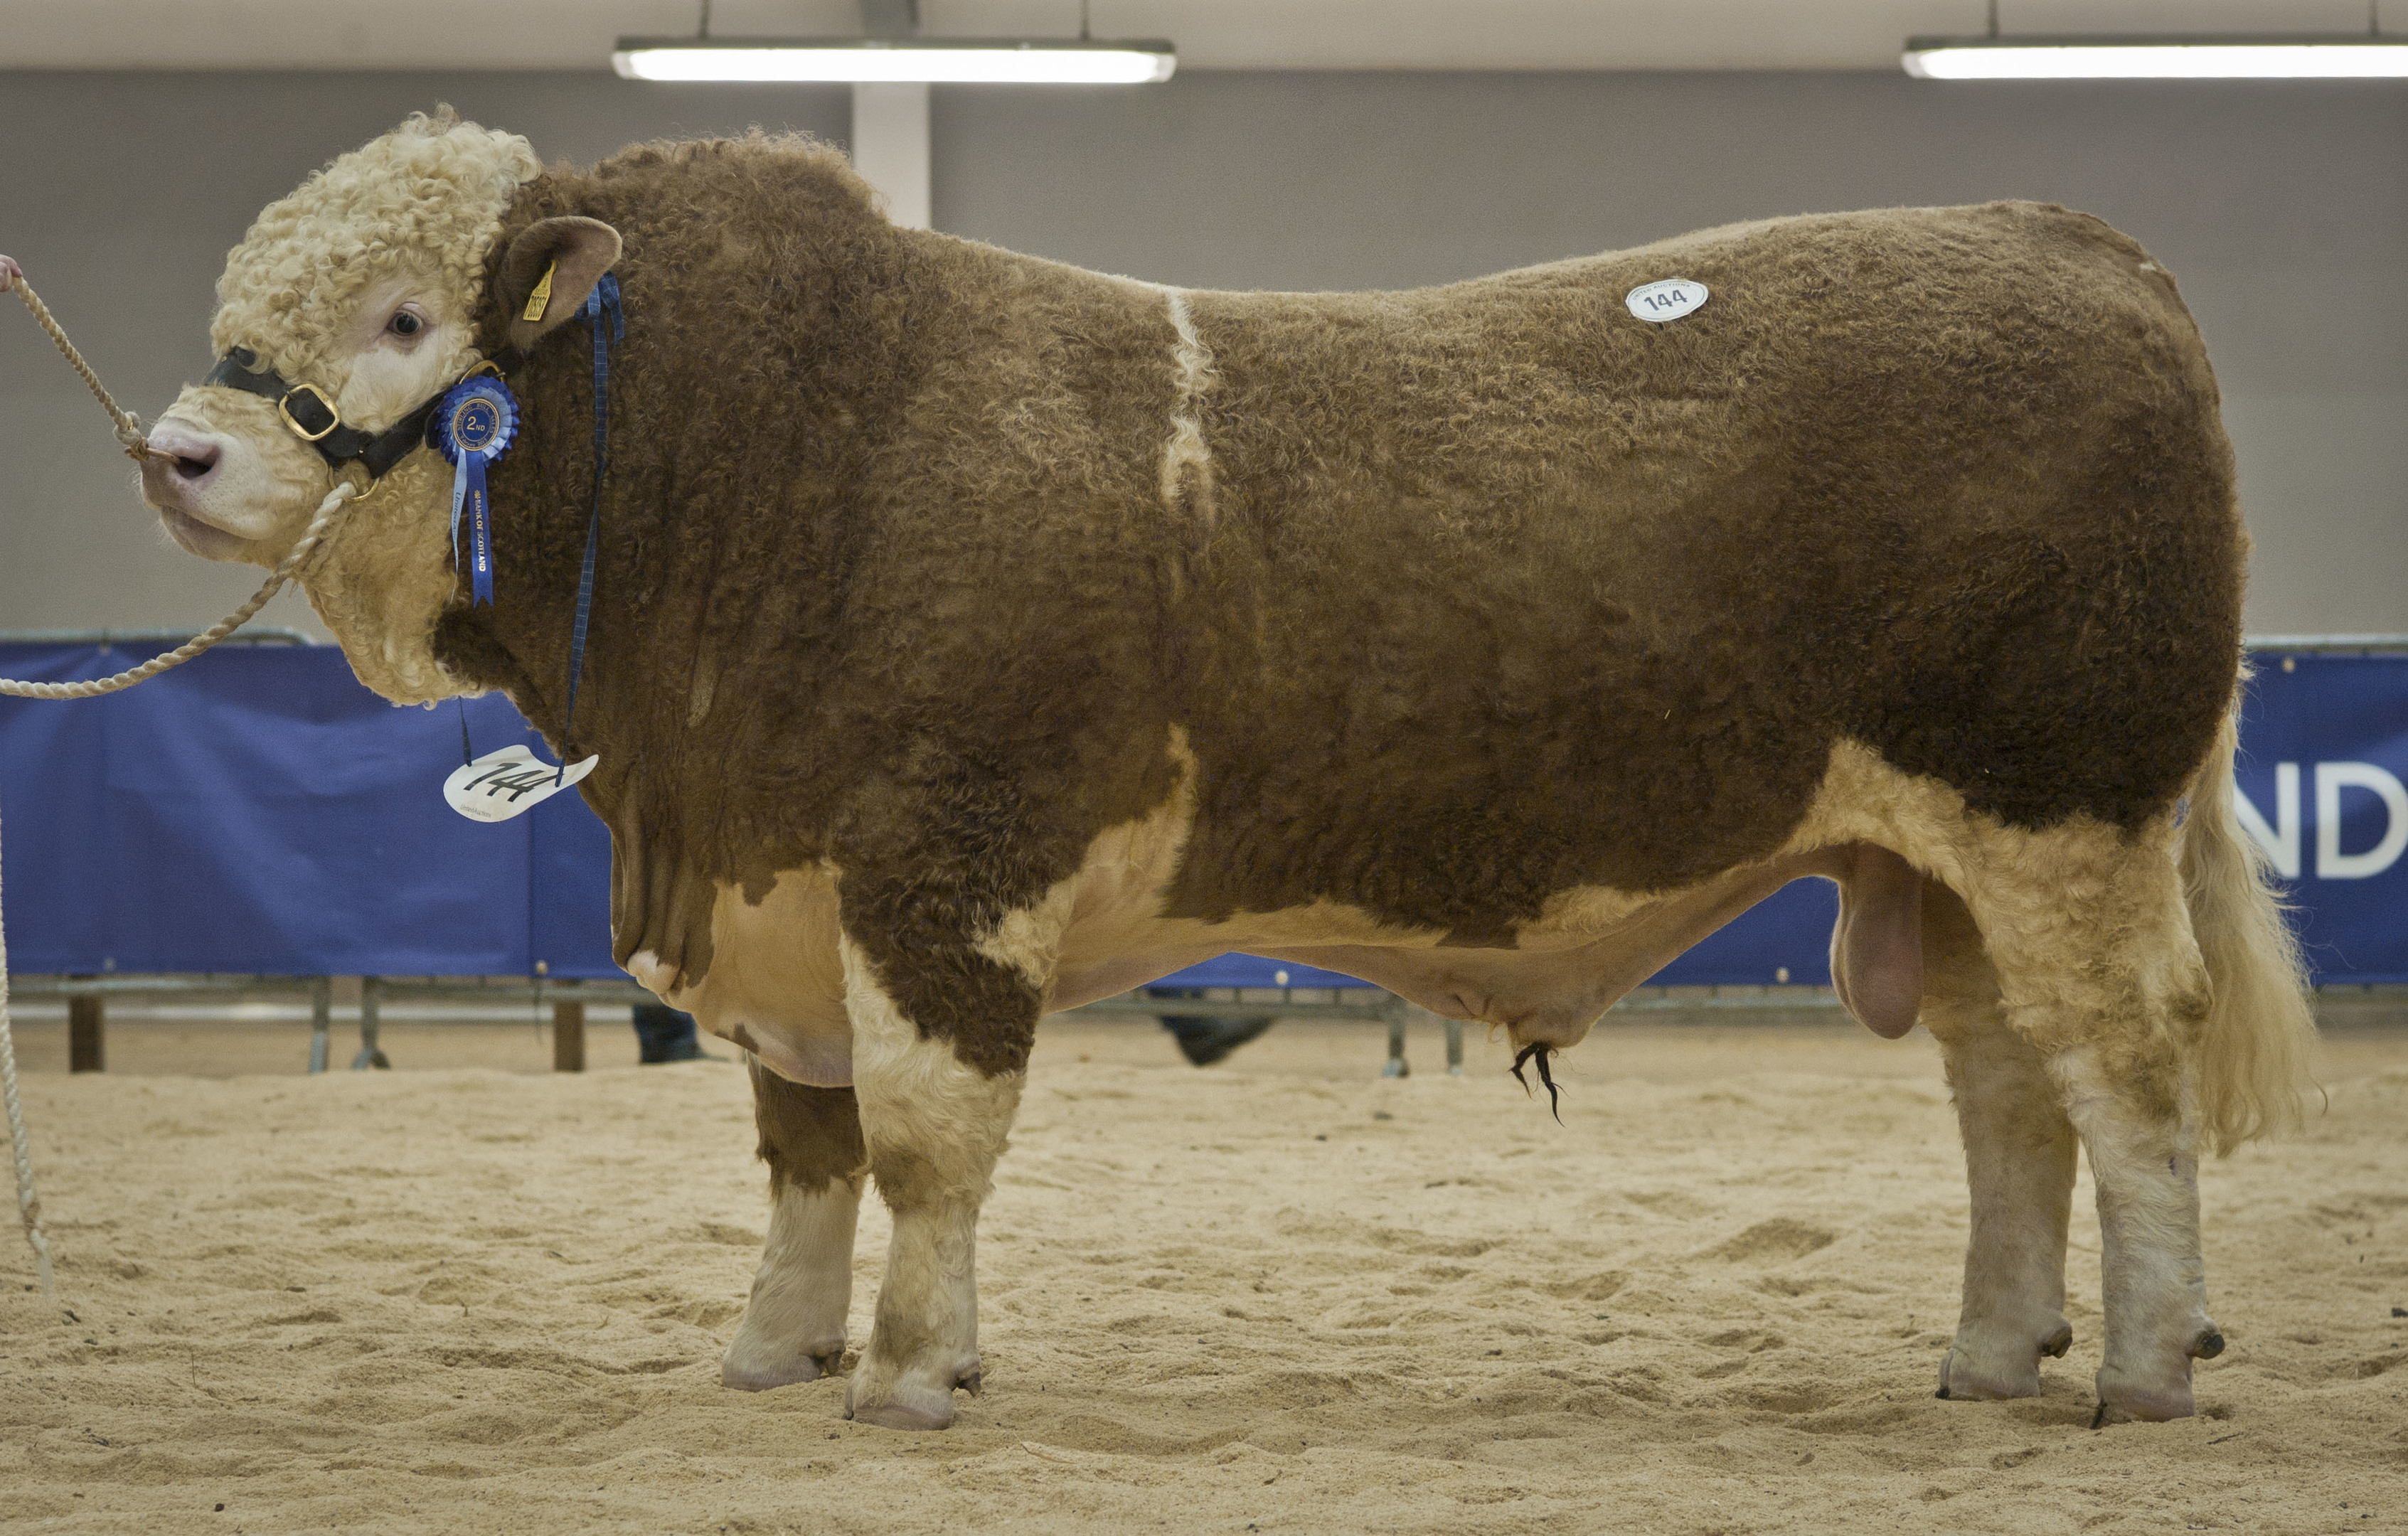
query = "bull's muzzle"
{"x": 179, "y": 466}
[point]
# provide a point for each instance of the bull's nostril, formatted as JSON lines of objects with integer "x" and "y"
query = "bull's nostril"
{"x": 176, "y": 452}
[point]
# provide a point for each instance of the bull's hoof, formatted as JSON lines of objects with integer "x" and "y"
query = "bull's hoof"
{"x": 1987, "y": 1366}
{"x": 761, "y": 1371}
{"x": 1963, "y": 1379}
{"x": 905, "y": 1399}
{"x": 2126, "y": 1399}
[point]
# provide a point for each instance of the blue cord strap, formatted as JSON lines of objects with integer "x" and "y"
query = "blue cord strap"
{"x": 602, "y": 304}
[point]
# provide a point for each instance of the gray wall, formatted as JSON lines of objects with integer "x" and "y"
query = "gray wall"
{"x": 2283, "y": 208}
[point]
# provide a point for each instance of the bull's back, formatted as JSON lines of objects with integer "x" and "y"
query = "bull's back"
{"x": 1504, "y": 590}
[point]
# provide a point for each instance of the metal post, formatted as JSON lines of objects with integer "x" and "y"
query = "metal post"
{"x": 87, "y": 1034}
{"x": 1396, "y": 1066}
{"x": 890, "y": 148}
{"x": 321, "y": 1021}
{"x": 371, "y": 1054}
{"x": 568, "y": 1036}
{"x": 1454, "y": 1047}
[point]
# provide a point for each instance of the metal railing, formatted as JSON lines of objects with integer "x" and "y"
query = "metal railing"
{"x": 2328, "y": 644}
{"x": 87, "y": 1019}
{"x": 2344, "y": 1003}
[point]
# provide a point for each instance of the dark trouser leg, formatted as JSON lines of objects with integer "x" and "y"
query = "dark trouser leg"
{"x": 665, "y": 1034}
{"x": 1203, "y": 1041}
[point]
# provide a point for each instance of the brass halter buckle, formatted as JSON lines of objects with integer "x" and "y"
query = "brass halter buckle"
{"x": 283, "y": 408}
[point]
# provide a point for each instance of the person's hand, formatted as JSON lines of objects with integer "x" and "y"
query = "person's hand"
{"x": 10, "y": 273}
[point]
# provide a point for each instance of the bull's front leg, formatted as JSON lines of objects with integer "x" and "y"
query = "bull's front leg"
{"x": 939, "y": 1051}
{"x": 794, "y": 1326}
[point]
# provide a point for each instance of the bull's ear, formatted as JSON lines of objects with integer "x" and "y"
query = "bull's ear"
{"x": 575, "y": 252}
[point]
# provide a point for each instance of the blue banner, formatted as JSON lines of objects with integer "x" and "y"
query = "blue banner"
{"x": 2323, "y": 752}
{"x": 259, "y": 811}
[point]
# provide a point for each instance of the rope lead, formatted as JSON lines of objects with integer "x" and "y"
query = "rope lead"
{"x": 29, "y": 1200}
{"x": 124, "y": 422}
{"x": 320, "y": 526}
{"x": 129, "y": 433}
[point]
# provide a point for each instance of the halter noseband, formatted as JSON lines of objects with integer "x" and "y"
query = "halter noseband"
{"x": 314, "y": 420}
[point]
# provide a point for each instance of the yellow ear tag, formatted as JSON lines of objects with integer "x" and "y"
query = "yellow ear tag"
{"x": 542, "y": 294}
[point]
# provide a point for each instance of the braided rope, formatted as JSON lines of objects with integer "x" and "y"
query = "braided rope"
{"x": 320, "y": 526}
{"x": 127, "y": 425}
{"x": 29, "y": 1200}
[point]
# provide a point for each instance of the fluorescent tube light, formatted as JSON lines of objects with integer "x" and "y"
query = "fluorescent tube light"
{"x": 2078, "y": 58}
{"x": 937, "y": 61}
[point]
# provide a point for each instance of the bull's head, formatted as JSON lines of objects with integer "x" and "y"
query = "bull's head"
{"x": 359, "y": 298}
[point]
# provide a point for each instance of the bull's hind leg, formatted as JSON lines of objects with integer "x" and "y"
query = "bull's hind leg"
{"x": 2094, "y": 954}
{"x": 2141, "y": 1133}
{"x": 794, "y": 1326}
{"x": 2019, "y": 1154}
{"x": 935, "y": 1124}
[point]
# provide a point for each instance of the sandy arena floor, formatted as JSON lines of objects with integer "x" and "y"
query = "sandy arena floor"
{"x": 1282, "y": 1295}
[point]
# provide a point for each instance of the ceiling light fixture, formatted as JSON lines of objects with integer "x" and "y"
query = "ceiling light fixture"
{"x": 936, "y": 61}
{"x": 2303, "y": 56}
{"x": 2079, "y": 58}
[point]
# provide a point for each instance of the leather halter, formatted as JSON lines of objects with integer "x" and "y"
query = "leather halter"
{"x": 314, "y": 420}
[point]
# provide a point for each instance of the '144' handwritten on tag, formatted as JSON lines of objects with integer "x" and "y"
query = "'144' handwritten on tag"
{"x": 1668, "y": 300}
{"x": 505, "y": 783}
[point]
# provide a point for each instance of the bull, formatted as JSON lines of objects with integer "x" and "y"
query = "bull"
{"x": 979, "y": 635}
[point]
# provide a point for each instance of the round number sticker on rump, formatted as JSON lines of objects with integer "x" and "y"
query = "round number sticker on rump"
{"x": 1667, "y": 300}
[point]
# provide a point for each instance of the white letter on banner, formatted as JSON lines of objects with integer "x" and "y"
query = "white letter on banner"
{"x": 2283, "y": 848}
{"x": 2332, "y": 779}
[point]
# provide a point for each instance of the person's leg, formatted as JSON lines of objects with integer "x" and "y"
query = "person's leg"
{"x": 664, "y": 1034}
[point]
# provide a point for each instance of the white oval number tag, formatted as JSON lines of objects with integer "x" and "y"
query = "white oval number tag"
{"x": 502, "y": 784}
{"x": 1668, "y": 300}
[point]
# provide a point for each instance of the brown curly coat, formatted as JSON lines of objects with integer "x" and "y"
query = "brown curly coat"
{"x": 1474, "y": 595}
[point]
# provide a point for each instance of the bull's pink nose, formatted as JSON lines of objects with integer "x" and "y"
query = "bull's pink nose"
{"x": 178, "y": 465}
{"x": 179, "y": 452}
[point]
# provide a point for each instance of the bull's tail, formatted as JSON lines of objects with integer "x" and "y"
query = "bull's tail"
{"x": 2258, "y": 1047}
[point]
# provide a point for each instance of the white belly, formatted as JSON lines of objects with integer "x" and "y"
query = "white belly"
{"x": 775, "y": 985}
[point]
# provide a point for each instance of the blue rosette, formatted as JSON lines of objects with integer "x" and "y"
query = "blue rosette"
{"x": 473, "y": 425}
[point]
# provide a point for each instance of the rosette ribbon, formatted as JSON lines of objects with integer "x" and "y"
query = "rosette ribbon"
{"x": 472, "y": 426}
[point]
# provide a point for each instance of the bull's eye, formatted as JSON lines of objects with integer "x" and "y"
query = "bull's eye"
{"x": 405, "y": 324}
